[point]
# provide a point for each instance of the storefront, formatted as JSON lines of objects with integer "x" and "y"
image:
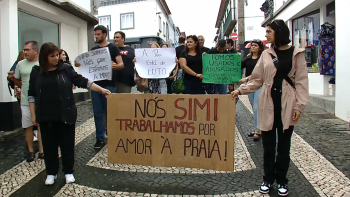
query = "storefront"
{"x": 67, "y": 25}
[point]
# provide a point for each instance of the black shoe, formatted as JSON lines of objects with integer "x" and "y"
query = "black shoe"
{"x": 283, "y": 190}
{"x": 41, "y": 156}
{"x": 30, "y": 157}
{"x": 99, "y": 144}
{"x": 265, "y": 188}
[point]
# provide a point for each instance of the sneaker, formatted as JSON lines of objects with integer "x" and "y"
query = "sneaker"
{"x": 70, "y": 178}
{"x": 41, "y": 156}
{"x": 265, "y": 188}
{"x": 99, "y": 144}
{"x": 283, "y": 190}
{"x": 50, "y": 179}
{"x": 35, "y": 138}
{"x": 30, "y": 157}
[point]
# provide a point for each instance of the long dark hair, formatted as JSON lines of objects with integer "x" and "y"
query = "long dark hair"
{"x": 261, "y": 48}
{"x": 67, "y": 57}
{"x": 45, "y": 50}
{"x": 195, "y": 39}
{"x": 281, "y": 33}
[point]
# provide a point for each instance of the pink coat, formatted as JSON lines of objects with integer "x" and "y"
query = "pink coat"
{"x": 263, "y": 75}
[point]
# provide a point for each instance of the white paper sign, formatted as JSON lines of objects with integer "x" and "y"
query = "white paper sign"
{"x": 95, "y": 65}
{"x": 155, "y": 63}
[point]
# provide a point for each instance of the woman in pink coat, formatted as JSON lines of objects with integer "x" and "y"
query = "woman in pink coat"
{"x": 281, "y": 72}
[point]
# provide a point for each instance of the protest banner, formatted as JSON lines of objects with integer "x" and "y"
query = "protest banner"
{"x": 95, "y": 65}
{"x": 155, "y": 63}
{"x": 221, "y": 68}
{"x": 171, "y": 130}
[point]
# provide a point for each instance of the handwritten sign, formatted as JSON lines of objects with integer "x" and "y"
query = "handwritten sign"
{"x": 155, "y": 63}
{"x": 221, "y": 68}
{"x": 96, "y": 65}
{"x": 171, "y": 130}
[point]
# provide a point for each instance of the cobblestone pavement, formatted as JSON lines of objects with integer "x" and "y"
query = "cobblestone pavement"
{"x": 319, "y": 165}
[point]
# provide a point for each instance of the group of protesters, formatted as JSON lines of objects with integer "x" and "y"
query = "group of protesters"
{"x": 275, "y": 80}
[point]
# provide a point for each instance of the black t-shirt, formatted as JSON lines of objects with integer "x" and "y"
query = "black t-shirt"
{"x": 249, "y": 65}
{"x": 232, "y": 50}
{"x": 285, "y": 58}
{"x": 126, "y": 75}
{"x": 114, "y": 52}
{"x": 205, "y": 49}
{"x": 194, "y": 63}
{"x": 50, "y": 98}
{"x": 215, "y": 51}
{"x": 178, "y": 50}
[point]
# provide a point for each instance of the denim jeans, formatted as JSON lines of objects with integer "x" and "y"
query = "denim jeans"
{"x": 99, "y": 105}
{"x": 222, "y": 88}
{"x": 254, "y": 101}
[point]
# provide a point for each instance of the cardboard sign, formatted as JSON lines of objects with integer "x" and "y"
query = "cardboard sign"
{"x": 221, "y": 68}
{"x": 155, "y": 63}
{"x": 96, "y": 65}
{"x": 171, "y": 130}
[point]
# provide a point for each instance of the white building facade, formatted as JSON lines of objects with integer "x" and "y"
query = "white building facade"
{"x": 63, "y": 23}
{"x": 143, "y": 21}
{"x": 305, "y": 19}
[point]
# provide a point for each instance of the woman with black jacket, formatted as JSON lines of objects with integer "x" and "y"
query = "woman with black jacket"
{"x": 52, "y": 106}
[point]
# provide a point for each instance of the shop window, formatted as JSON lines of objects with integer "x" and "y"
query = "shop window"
{"x": 105, "y": 21}
{"x": 127, "y": 21}
{"x": 305, "y": 35}
{"x": 37, "y": 29}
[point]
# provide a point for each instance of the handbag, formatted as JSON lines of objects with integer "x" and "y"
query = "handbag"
{"x": 142, "y": 84}
{"x": 178, "y": 85}
{"x": 277, "y": 65}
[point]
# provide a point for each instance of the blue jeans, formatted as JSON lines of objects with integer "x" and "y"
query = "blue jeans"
{"x": 254, "y": 101}
{"x": 222, "y": 88}
{"x": 99, "y": 105}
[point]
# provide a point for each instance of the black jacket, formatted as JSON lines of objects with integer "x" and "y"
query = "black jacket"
{"x": 66, "y": 77}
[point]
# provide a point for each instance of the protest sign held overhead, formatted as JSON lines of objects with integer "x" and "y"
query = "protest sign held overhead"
{"x": 155, "y": 63}
{"x": 171, "y": 130}
{"x": 95, "y": 65}
{"x": 221, "y": 68}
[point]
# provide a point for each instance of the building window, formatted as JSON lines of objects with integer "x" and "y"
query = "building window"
{"x": 164, "y": 29}
{"x": 31, "y": 27}
{"x": 127, "y": 21}
{"x": 160, "y": 23}
{"x": 167, "y": 31}
{"x": 105, "y": 21}
{"x": 115, "y": 2}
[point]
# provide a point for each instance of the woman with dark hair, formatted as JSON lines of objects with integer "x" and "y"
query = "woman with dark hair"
{"x": 256, "y": 49}
{"x": 64, "y": 56}
{"x": 191, "y": 63}
{"x": 282, "y": 73}
{"x": 164, "y": 46}
{"x": 52, "y": 106}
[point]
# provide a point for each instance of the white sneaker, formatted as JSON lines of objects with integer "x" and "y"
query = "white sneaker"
{"x": 35, "y": 138}
{"x": 50, "y": 179}
{"x": 70, "y": 178}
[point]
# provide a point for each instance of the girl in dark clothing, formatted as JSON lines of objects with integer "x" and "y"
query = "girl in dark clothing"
{"x": 52, "y": 106}
{"x": 256, "y": 49}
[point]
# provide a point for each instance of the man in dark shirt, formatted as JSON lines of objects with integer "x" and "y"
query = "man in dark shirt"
{"x": 201, "y": 41}
{"x": 125, "y": 77}
{"x": 220, "y": 49}
{"x": 229, "y": 46}
{"x": 180, "y": 48}
{"x": 99, "y": 101}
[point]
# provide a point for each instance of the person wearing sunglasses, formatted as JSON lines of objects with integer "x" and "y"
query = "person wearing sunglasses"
{"x": 281, "y": 72}
{"x": 256, "y": 49}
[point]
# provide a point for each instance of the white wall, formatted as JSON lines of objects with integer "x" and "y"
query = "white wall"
{"x": 86, "y": 4}
{"x": 253, "y": 18}
{"x": 342, "y": 100}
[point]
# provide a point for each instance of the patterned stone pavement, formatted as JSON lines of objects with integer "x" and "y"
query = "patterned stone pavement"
{"x": 319, "y": 166}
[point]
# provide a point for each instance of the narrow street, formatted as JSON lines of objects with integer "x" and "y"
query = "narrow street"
{"x": 320, "y": 164}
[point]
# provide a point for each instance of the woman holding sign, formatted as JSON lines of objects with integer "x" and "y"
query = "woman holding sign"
{"x": 52, "y": 106}
{"x": 257, "y": 47}
{"x": 281, "y": 72}
{"x": 192, "y": 63}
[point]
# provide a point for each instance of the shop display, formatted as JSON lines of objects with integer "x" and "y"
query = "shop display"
{"x": 326, "y": 60}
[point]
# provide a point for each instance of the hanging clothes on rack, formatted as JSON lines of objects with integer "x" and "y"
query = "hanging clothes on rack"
{"x": 296, "y": 39}
{"x": 326, "y": 60}
{"x": 311, "y": 34}
{"x": 303, "y": 42}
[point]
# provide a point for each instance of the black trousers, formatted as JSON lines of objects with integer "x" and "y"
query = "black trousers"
{"x": 169, "y": 86}
{"x": 276, "y": 168}
{"x": 56, "y": 134}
